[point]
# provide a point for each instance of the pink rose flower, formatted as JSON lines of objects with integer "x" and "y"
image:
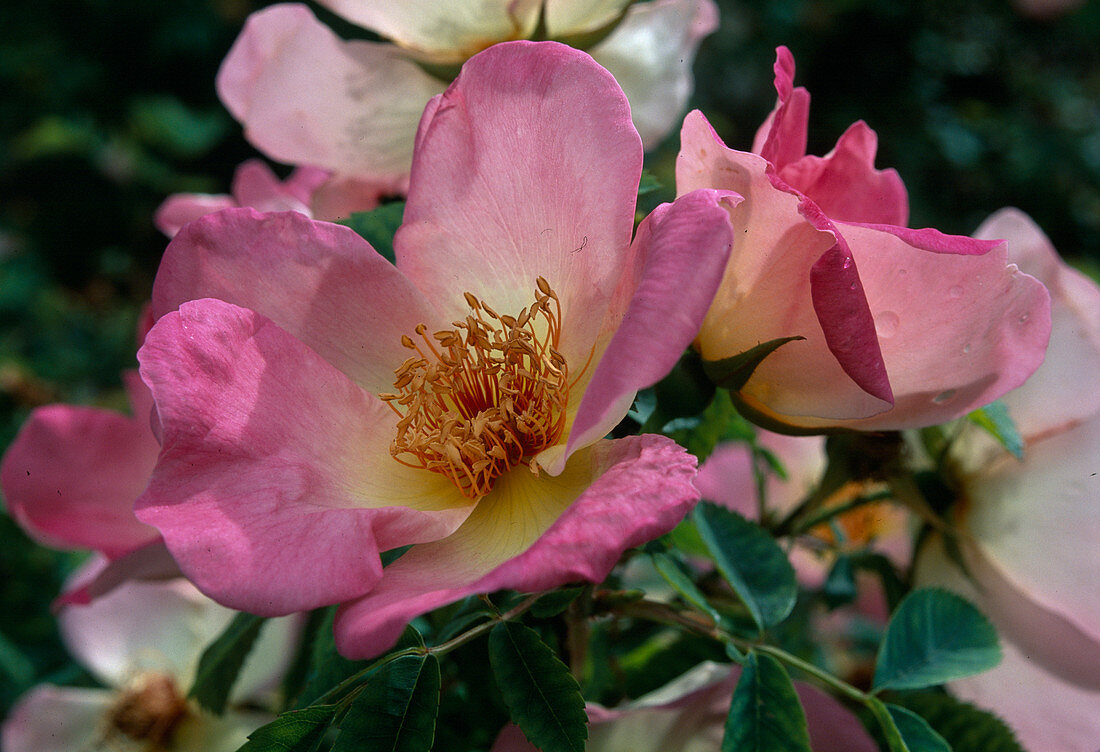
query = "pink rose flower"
{"x": 305, "y": 96}
{"x": 689, "y": 715}
{"x": 1032, "y": 528}
{"x": 319, "y": 405}
{"x": 143, "y": 642}
{"x": 902, "y": 328}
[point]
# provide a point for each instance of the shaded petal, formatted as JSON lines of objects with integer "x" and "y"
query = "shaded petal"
{"x": 651, "y": 55}
{"x": 565, "y": 17}
{"x": 321, "y": 282}
{"x": 71, "y": 476}
{"x": 958, "y": 326}
{"x": 276, "y": 489}
{"x": 342, "y": 196}
{"x": 149, "y": 562}
{"x": 845, "y": 183}
{"x": 255, "y": 185}
{"x": 781, "y": 139}
{"x": 443, "y": 32}
{"x": 533, "y": 533}
{"x": 210, "y": 733}
{"x": 680, "y": 251}
{"x": 305, "y": 96}
{"x": 56, "y": 719}
{"x": 528, "y": 165}
{"x": 181, "y": 208}
{"x": 1052, "y": 399}
{"x": 766, "y": 291}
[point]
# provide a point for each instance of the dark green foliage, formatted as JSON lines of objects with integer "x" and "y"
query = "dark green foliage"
{"x": 222, "y": 660}
{"x": 765, "y": 714}
{"x": 396, "y": 710}
{"x": 296, "y": 731}
{"x": 965, "y": 727}
{"x": 378, "y": 226}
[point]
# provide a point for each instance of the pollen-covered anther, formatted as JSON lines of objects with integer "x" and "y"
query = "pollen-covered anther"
{"x": 147, "y": 711}
{"x": 481, "y": 398}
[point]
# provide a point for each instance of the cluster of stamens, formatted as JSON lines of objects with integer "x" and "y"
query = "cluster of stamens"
{"x": 481, "y": 398}
{"x": 147, "y": 711}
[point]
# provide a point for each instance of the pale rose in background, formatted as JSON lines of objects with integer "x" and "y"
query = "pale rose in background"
{"x": 1031, "y": 529}
{"x": 279, "y": 486}
{"x": 689, "y": 715}
{"x": 929, "y": 326}
{"x": 305, "y": 96}
{"x": 143, "y": 642}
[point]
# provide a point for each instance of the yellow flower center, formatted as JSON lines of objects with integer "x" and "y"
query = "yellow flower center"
{"x": 147, "y": 710}
{"x": 481, "y": 398}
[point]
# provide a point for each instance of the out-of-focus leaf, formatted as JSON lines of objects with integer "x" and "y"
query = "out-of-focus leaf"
{"x": 553, "y": 603}
{"x": 378, "y": 226}
{"x": 963, "y": 726}
{"x": 994, "y": 418}
{"x": 915, "y": 731}
{"x": 840, "y": 585}
{"x": 751, "y": 561}
{"x": 543, "y": 698}
{"x": 168, "y": 124}
{"x": 327, "y": 667}
{"x": 396, "y": 710}
{"x": 765, "y": 714}
{"x": 222, "y": 660}
{"x": 675, "y": 576}
{"x": 718, "y": 423}
{"x": 933, "y": 637}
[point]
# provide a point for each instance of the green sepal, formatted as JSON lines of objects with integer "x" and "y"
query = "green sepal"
{"x": 734, "y": 372}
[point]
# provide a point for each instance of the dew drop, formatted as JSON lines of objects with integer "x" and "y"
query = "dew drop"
{"x": 955, "y": 292}
{"x": 886, "y": 324}
{"x": 966, "y": 349}
{"x": 1024, "y": 317}
{"x": 847, "y": 263}
{"x": 943, "y": 396}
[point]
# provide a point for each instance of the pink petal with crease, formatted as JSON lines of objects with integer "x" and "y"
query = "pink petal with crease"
{"x": 276, "y": 490}
{"x": 610, "y": 497}
{"x": 149, "y": 562}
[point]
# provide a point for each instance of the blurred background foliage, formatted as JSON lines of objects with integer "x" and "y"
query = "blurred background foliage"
{"x": 109, "y": 105}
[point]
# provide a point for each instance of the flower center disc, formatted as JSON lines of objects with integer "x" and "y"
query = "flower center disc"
{"x": 147, "y": 710}
{"x": 483, "y": 397}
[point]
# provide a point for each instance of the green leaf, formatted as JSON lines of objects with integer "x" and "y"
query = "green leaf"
{"x": 327, "y": 667}
{"x": 675, "y": 576}
{"x": 965, "y": 727}
{"x": 718, "y": 423}
{"x": 396, "y": 710}
{"x": 840, "y": 585}
{"x": 751, "y": 561}
{"x": 765, "y": 714}
{"x": 296, "y": 731}
{"x": 915, "y": 731}
{"x": 222, "y": 660}
{"x": 553, "y": 603}
{"x": 933, "y": 637}
{"x": 734, "y": 372}
{"x": 649, "y": 183}
{"x": 894, "y": 740}
{"x": 543, "y": 698}
{"x": 378, "y": 226}
{"x": 995, "y": 419}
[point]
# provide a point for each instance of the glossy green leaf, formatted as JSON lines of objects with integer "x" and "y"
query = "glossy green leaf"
{"x": 765, "y": 714}
{"x": 378, "y": 226}
{"x": 734, "y": 372}
{"x": 751, "y": 561}
{"x": 915, "y": 731}
{"x": 964, "y": 727}
{"x": 296, "y": 731}
{"x": 994, "y": 418}
{"x": 222, "y": 660}
{"x": 675, "y": 576}
{"x": 396, "y": 710}
{"x": 894, "y": 740}
{"x": 934, "y": 636}
{"x": 543, "y": 698}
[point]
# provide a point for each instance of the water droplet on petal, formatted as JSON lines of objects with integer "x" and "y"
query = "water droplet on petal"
{"x": 955, "y": 292}
{"x": 943, "y": 396}
{"x": 966, "y": 349}
{"x": 886, "y": 324}
{"x": 1024, "y": 317}
{"x": 847, "y": 263}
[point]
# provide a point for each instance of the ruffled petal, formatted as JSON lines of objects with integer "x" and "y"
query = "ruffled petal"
{"x": 781, "y": 139}
{"x": 680, "y": 251}
{"x": 255, "y": 185}
{"x": 321, "y": 282}
{"x": 50, "y": 718}
{"x": 71, "y": 476}
{"x": 276, "y": 490}
{"x": 527, "y": 166}
{"x": 442, "y": 32}
{"x": 845, "y": 183}
{"x": 181, "y": 208}
{"x": 651, "y": 53}
{"x": 532, "y": 533}
{"x": 305, "y": 96}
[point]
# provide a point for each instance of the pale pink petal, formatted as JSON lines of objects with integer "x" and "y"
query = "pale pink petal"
{"x": 342, "y": 196}
{"x": 845, "y": 183}
{"x": 56, "y": 719}
{"x": 527, "y": 166}
{"x": 566, "y": 17}
{"x": 276, "y": 489}
{"x": 71, "y": 476}
{"x": 766, "y": 291}
{"x": 149, "y": 562}
{"x": 306, "y": 97}
{"x": 1039, "y": 698}
{"x": 255, "y": 185}
{"x": 444, "y": 32}
{"x": 181, "y": 208}
{"x": 726, "y": 478}
{"x": 958, "y": 326}
{"x": 611, "y": 496}
{"x": 321, "y": 282}
{"x": 1052, "y": 399}
{"x": 679, "y": 254}
{"x": 782, "y": 137}
{"x": 306, "y": 181}
{"x": 651, "y": 53}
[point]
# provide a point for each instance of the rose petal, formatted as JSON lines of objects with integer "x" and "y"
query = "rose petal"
{"x": 342, "y": 196}
{"x": 181, "y": 208}
{"x": 321, "y": 282}
{"x": 532, "y": 533}
{"x": 149, "y": 562}
{"x": 680, "y": 251}
{"x": 565, "y": 17}
{"x": 781, "y": 139}
{"x": 71, "y": 476}
{"x": 276, "y": 489}
{"x": 255, "y": 185}
{"x": 56, "y": 718}
{"x": 493, "y": 204}
{"x": 442, "y": 32}
{"x": 651, "y": 53}
{"x": 306, "y": 97}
